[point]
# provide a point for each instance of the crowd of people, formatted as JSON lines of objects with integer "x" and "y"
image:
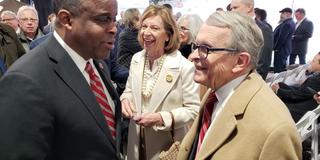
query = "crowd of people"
{"x": 89, "y": 87}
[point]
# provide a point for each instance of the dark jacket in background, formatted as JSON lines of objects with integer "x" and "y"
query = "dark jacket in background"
{"x": 299, "y": 99}
{"x": 300, "y": 41}
{"x": 185, "y": 50}
{"x": 128, "y": 46}
{"x": 282, "y": 44}
{"x": 10, "y": 47}
{"x": 264, "y": 58}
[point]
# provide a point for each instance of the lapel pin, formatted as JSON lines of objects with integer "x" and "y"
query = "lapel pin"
{"x": 100, "y": 65}
{"x": 169, "y": 77}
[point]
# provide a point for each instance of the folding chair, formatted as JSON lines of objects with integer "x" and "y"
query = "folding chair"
{"x": 308, "y": 128}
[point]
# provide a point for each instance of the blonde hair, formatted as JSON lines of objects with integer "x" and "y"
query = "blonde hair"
{"x": 169, "y": 25}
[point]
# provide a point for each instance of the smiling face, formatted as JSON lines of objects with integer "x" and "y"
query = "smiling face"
{"x": 92, "y": 31}
{"x": 153, "y": 35}
{"x": 216, "y": 69}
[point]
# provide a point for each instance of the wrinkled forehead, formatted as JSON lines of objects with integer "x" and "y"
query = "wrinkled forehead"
{"x": 213, "y": 35}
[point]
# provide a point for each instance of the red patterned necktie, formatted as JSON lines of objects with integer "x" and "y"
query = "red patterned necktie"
{"x": 98, "y": 91}
{"x": 206, "y": 117}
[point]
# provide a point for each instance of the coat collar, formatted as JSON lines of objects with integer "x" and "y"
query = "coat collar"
{"x": 226, "y": 123}
{"x": 171, "y": 68}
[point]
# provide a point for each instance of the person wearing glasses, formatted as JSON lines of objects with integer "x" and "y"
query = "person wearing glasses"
{"x": 10, "y": 18}
{"x": 189, "y": 25}
{"x": 160, "y": 89}
{"x": 240, "y": 117}
{"x": 28, "y": 22}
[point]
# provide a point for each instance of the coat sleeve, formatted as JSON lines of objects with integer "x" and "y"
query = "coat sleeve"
{"x": 282, "y": 143}
{"x": 26, "y": 123}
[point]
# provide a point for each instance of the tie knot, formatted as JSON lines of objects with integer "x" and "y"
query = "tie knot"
{"x": 89, "y": 69}
{"x": 211, "y": 100}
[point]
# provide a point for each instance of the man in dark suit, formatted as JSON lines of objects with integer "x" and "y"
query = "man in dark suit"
{"x": 301, "y": 35}
{"x": 264, "y": 58}
{"x": 282, "y": 40}
{"x": 52, "y": 99}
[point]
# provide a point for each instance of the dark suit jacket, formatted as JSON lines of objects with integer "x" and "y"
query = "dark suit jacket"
{"x": 264, "y": 60}
{"x": 48, "y": 111}
{"x": 282, "y": 37}
{"x": 299, "y": 99}
{"x": 301, "y": 36}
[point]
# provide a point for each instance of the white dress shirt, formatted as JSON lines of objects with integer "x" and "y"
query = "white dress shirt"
{"x": 81, "y": 64}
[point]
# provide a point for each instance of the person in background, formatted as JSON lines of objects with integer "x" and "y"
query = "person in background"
{"x": 128, "y": 38}
{"x": 50, "y": 26}
{"x": 282, "y": 45}
{"x": 264, "y": 59}
{"x": 58, "y": 102}
{"x": 240, "y": 117}
{"x": 261, "y": 15}
{"x": 10, "y": 18}
{"x": 219, "y": 9}
{"x": 303, "y": 31}
{"x": 10, "y": 47}
{"x": 299, "y": 98}
{"x": 189, "y": 25}
{"x": 296, "y": 76}
{"x": 159, "y": 87}
{"x": 28, "y": 22}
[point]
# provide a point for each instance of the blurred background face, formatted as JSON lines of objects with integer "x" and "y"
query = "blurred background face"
{"x": 315, "y": 63}
{"x": 238, "y": 6}
{"x": 153, "y": 34}
{"x": 10, "y": 20}
{"x": 298, "y": 16}
{"x": 184, "y": 31}
{"x": 28, "y": 22}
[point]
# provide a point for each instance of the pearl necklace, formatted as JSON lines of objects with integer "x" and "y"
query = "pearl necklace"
{"x": 147, "y": 89}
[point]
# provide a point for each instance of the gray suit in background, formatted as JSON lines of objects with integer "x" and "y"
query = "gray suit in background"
{"x": 264, "y": 58}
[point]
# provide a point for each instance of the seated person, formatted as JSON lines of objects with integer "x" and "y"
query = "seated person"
{"x": 299, "y": 99}
{"x": 296, "y": 76}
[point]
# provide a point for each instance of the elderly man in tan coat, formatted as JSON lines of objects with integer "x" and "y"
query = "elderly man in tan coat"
{"x": 240, "y": 118}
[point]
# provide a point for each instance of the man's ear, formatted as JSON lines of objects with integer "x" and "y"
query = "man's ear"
{"x": 242, "y": 62}
{"x": 65, "y": 18}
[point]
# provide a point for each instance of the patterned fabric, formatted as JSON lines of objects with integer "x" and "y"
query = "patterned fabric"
{"x": 97, "y": 89}
{"x": 206, "y": 117}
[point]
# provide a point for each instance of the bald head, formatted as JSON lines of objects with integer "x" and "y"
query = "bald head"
{"x": 243, "y": 6}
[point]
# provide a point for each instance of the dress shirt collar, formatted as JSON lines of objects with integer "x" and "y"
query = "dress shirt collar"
{"x": 78, "y": 60}
{"x": 227, "y": 90}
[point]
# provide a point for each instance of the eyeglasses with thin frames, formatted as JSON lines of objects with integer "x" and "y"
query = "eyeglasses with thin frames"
{"x": 29, "y": 19}
{"x": 204, "y": 50}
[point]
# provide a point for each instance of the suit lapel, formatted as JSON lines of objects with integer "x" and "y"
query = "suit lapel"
{"x": 67, "y": 70}
{"x": 137, "y": 68}
{"x": 167, "y": 78}
{"x": 226, "y": 122}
